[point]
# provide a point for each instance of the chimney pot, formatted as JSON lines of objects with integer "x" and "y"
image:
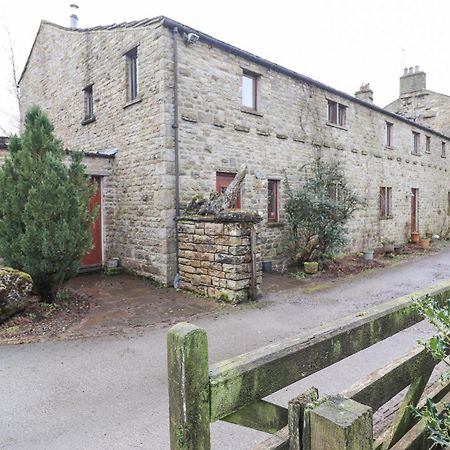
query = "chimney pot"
{"x": 405, "y": 71}
{"x": 411, "y": 69}
{"x": 416, "y": 69}
{"x": 73, "y": 17}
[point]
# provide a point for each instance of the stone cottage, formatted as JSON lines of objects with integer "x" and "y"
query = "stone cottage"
{"x": 419, "y": 104}
{"x": 164, "y": 112}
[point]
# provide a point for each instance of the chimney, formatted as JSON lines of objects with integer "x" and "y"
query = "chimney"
{"x": 412, "y": 80}
{"x": 73, "y": 17}
{"x": 365, "y": 93}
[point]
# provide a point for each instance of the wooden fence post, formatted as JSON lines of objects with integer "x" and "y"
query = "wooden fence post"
{"x": 340, "y": 423}
{"x": 188, "y": 373}
{"x": 298, "y": 435}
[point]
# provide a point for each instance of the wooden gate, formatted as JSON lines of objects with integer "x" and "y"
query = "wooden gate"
{"x": 234, "y": 390}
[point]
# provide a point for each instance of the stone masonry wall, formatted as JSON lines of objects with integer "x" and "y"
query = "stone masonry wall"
{"x": 139, "y": 201}
{"x": 427, "y": 107}
{"x": 289, "y": 128}
{"x": 215, "y": 258}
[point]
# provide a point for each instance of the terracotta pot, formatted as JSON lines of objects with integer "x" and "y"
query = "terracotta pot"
{"x": 425, "y": 243}
{"x": 415, "y": 237}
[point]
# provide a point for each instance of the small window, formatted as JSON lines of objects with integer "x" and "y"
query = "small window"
{"x": 443, "y": 150}
{"x": 389, "y": 134}
{"x": 416, "y": 143}
{"x": 337, "y": 113}
{"x": 88, "y": 103}
{"x": 385, "y": 202}
{"x": 272, "y": 200}
{"x": 223, "y": 180}
{"x": 448, "y": 203}
{"x": 132, "y": 74}
{"x": 427, "y": 144}
{"x": 250, "y": 91}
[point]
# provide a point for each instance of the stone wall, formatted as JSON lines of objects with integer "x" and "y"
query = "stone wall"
{"x": 139, "y": 200}
{"x": 215, "y": 257}
{"x": 289, "y": 128}
{"x": 217, "y": 135}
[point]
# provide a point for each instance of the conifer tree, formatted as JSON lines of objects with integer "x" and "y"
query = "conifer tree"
{"x": 44, "y": 207}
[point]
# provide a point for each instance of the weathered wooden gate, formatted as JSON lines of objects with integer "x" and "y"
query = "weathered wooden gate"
{"x": 233, "y": 390}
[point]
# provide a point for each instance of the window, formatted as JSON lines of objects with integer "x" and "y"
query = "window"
{"x": 389, "y": 134}
{"x": 223, "y": 180}
{"x": 385, "y": 202}
{"x": 416, "y": 143}
{"x": 427, "y": 144}
{"x": 272, "y": 200}
{"x": 337, "y": 113}
{"x": 132, "y": 74}
{"x": 250, "y": 91}
{"x": 88, "y": 103}
{"x": 448, "y": 203}
{"x": 443, "y": 150}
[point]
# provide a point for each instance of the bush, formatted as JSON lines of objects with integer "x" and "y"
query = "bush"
{"x": 437, "y": 423}
{"x": 44, "y": 214}
{"x": 318, "y": 211}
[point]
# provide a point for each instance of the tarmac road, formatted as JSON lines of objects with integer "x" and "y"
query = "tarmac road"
{"x": 110, "y": 392}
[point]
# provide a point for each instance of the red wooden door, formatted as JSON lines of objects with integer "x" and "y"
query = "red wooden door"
{"x": 414, "y": 209}
{"x": 94, "y": 256}
{"x": 223, "y": 180}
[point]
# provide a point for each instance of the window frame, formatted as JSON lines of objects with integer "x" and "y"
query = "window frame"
{"x": 255, "y": 87}
{"x": 389, "y": 134}
{"x": 336, "y": 113}
{"x": 385, "y": 202}
{"x": 88, "y": 94}
{"x": 427, "y": 144}
{"x": 416, "y": 143}
{"x": 132, "y": 74}
{"x": 273, "y": 214}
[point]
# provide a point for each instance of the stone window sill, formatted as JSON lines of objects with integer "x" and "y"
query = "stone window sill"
{"x": 389, "y": 147}
{"x": 275, "y": 224}
{"x": 88, "y": 120}
{"x": 335, "y": 125}
{"x": 415, "y": 153}
{"x": 386, "y": 217}
{"x": 133, "y": 102}
{"x": 247, "y": 110}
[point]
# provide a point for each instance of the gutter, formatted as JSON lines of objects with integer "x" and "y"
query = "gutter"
{"x": 177, "y": 149}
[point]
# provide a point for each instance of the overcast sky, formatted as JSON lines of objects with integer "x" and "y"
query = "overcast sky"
{"x": 341, "y": 43}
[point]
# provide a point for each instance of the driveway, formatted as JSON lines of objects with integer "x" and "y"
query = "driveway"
{"x": 110, "y": 392}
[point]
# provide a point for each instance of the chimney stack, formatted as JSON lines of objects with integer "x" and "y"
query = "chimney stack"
{"x": 412, "y": 80}
{"x": 73, "y": 17}
{"x": 365, "y": 93}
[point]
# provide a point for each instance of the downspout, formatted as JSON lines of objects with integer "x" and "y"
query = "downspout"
{"x": 176, "y": 280}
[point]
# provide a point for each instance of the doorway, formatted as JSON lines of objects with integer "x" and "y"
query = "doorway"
{"x": 94, "y": 258}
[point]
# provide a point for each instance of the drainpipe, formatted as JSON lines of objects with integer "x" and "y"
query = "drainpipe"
{"x": 177, "y": 160}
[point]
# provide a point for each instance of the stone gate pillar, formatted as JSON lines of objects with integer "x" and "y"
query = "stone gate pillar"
{"x": 217, "y": 258}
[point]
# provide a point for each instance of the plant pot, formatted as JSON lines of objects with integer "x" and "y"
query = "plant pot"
{"x": 424, "y": 243}
{"x": 388, "y": 248}
{"x": 415, "y": 237}
{"x": 368, "y": 255}
{"x": 310, "y": 267}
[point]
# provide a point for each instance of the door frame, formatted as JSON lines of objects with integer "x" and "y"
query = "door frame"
{"x": 415, "y": 198}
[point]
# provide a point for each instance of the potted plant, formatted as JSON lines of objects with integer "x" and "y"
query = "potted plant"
{"x": 368, "y": 254}
{"x": 425, "y": 243}
{"x": 415, "y": 237}
{"x": 388, "y": 246}
{"x": 310, "y": 267}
